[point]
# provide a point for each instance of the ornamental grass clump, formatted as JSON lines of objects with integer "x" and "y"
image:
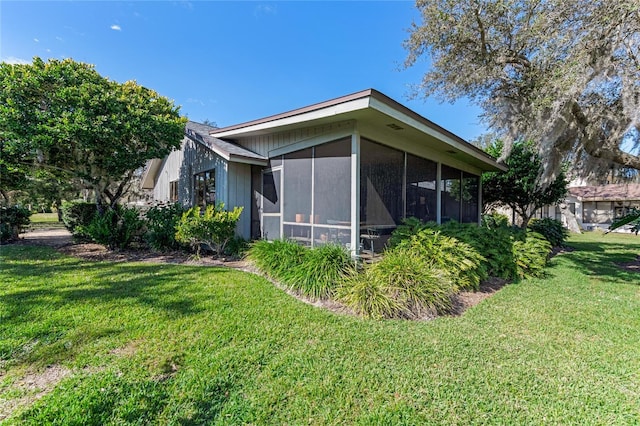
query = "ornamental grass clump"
{"x": 314, "y": 273}
{"x": 403, "y": 284}
{"x": 531, "y": 254}
{"x": 459, "y": 261}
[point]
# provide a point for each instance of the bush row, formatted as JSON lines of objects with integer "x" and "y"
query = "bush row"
{"x": 162, "y": 227}
{"x": 12, "y": 221}
{"x": 422, "y": 269}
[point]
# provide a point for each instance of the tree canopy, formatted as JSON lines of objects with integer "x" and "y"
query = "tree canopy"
{"x": 563, "y": 73}
{"x": 519, "y": 186}
{"x": 65, "y": 116}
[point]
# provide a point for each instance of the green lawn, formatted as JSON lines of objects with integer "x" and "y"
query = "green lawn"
{"x": 169, "y": 344}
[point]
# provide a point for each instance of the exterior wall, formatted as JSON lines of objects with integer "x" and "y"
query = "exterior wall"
{"x": 232, "y": 180}
{"x": 239, "y": 194}
{"x": 265, "y": 144}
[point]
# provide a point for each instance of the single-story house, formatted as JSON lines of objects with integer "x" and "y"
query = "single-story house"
{"x": 597, "y": 206}
{"x": 346, "y": 170}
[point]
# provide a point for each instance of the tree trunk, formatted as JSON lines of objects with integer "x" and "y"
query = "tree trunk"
{"x": 572, "y": 222}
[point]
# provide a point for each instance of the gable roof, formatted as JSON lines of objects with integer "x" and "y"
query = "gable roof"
{"x": 375, "y": 110}
{"x": 611, "y": 192}
{"x": 200, "y": 133}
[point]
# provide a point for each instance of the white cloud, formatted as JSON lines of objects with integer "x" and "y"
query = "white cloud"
{"x": 59, "y": 38}
{"x": 15, "y": 61}
{"x": 116, "y": 27}
{"x": 264, "y": 9}
{"x": 36, "y": 40}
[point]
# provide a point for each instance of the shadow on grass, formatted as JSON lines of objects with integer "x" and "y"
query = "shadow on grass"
{"x": 603, "y": 259}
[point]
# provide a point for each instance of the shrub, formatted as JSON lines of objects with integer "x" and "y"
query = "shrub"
{"x": 401, "y": 285}
{"x": 461, "y": 262}
{"x": 409, "y": 227}
{"x": 76, "y": 214}
{"x": 320, "y": 271}
{"x": 314, "y": 273}
{"x": 237, "y": 247}
{"x": 551, "y": 229}
{"x": 213, "y": 228}
{"x": 530, "y": 255}
{"x": 13, "y": 220}
{"x": 161, "y": 222}
{"x": 274, "y": 258}
{"x": 115, "y": 228}
{"x": 495, "y": 220}
{"x": 495, "y": 244}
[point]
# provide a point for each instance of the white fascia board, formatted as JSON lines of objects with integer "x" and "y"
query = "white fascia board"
{"x": 247, "y": 160}
{"x": 330, "y": 111}
{"x": 392, "y": 112}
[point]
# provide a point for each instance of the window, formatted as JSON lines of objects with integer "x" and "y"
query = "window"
{"x": 173, "y": 191}
{"x": 421, "y": 188}
{"x": 469, "y": 196}
{"x": 451, "y": 194}
{"x": 381, "y": 176}
{"x": 204, "y": 188}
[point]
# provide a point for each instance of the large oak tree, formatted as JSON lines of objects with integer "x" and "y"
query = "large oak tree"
{"x": 563, "y": 73}
{"x": 65, "y": 116}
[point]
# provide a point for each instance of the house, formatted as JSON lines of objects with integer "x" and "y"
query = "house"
{"x": 346, "y": 170}
{"x": 596, "y": 206}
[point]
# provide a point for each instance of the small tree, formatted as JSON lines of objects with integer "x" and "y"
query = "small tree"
{"x": 213, "y": 228}
{"x": 520, "y": 187}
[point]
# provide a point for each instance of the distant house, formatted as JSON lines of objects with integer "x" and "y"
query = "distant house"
{"x": 597, "y": 206}
{"x": 347, "y": 170}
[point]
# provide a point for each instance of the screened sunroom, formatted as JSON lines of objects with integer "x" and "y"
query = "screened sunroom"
{"x": 313, "y": 196}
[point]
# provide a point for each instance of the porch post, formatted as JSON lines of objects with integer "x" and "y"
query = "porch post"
{"x": 439, "y": 193}
{"x": 355, "y": 193}
{"x": 480, "y": 199}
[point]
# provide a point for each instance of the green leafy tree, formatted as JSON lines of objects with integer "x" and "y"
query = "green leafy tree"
{"x": 64, "y": 116}
{"x": 563, "y": 73}
{"x": 520, "y": 187}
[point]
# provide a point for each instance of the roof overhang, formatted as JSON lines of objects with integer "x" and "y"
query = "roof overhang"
{"x": 148, "y": 180}
{"x": 375, "y": 114}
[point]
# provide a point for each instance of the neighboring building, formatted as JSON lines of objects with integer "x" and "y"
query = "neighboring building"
{"x": 596, "y": 206}
{"x": 347, "y": 170}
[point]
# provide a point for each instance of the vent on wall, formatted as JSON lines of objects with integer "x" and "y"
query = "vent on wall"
{"x": 394, "y": 126}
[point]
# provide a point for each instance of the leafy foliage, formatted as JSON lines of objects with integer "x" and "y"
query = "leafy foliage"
{"x": 214, "y": 227}
{"x": 530, "y": 255}
{"x": 115, "y": 228}
{"x": 161, "y": 222}
{"x": 76, "y": 215}
{"x": 404, "y": 284}
{"x": 13, "y": 219}
{"x": 65, "y": 116}
{"x": 551, "y": 229}
{"x": 520, "y": 187}
{"x": 562, "y": 73}
{"x": 457, "y": 260}
{"x": 314, "y": 273}
{"x": 495, "y": 220}
{"x": 631, "y": 218}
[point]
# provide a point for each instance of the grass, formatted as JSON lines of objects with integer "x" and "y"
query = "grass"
{"x": 170, "y": 344}
{"x": 44, "y": 221}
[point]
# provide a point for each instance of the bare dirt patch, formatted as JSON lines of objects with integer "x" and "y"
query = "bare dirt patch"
{"x": 33, "y": 386}
{"x": 467, "y": 299}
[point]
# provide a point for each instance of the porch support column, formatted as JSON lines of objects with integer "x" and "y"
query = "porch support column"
{"x": 355, "y": 193}
{"x": 439, "y": 193}
{"x": 480, "y": 199}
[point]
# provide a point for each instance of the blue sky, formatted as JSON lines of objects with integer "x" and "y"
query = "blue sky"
{"x": 231, "y": 62}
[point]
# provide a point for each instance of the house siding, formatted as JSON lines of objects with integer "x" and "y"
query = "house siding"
{"x": 264, "y": 144}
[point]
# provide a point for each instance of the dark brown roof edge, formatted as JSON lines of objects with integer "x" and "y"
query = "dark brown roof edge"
{"x": 353, "y": 96}
{"x": 298, "y": 111}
